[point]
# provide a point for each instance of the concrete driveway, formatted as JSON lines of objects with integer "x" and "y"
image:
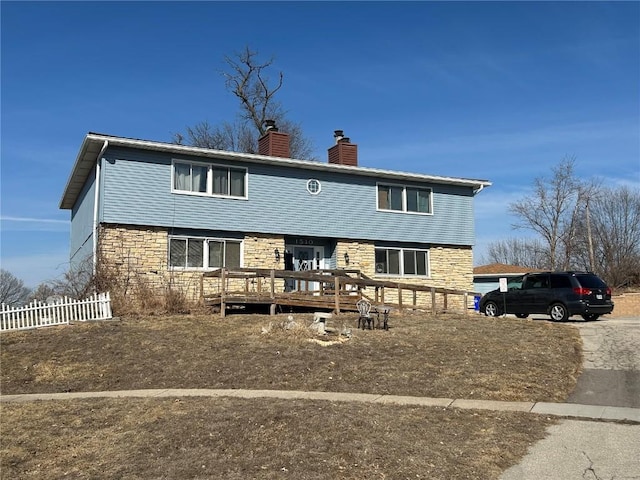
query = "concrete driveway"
{"x": 611, "y": 374}
{"x": 580, "y": 449}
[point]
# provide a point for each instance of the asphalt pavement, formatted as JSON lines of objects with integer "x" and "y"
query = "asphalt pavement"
{"x": 587, "y": 449}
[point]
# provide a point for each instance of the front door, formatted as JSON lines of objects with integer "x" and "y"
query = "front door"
{"x": 307, "y": 259}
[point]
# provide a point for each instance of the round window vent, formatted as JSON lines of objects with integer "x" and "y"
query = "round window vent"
{"x": 313, "y": 186}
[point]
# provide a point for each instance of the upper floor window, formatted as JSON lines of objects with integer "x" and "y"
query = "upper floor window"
{"x": 402, "y": 198}
{"x": 206, "y": 179}
{"x": 402, "y": 261}
{"x": 203, "y": 253}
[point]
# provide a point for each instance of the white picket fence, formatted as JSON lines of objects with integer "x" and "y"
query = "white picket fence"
{"x": 65, "y": 310}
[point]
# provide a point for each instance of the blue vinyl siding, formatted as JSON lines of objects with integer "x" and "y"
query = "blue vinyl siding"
{"x": 82, "y": 222}
{"x": 137, "y": 190}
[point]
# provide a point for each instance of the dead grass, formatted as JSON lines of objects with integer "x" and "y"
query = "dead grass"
{"x": 253, "y": 438}
{"x": 231, "y": 438}
{"x": 455, "y": 357}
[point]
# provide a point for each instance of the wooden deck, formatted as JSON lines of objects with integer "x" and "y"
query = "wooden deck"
{"x": 331, "y": 290}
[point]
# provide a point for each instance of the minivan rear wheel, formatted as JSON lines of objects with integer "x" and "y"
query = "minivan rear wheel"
{"x": 491, "y": 309}
{"x": 558, "y": 312}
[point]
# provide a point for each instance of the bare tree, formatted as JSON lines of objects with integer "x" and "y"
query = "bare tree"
{"x": 42, "y": 292}
{"x": 12, "y": 289}
{"x": 236, "y": 137}
{"x": 523, "y": 252}
{"x": 615, "y": 225}
{"x": 581, "y": 225}
{"x": 551, "y": 210}
{"x": 248, "y": 79}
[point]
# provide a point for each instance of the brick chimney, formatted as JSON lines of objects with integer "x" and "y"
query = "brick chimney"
{"x": 273, "y": 142}
{"x": 343, "y": 152}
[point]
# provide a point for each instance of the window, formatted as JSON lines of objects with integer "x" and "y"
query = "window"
{"x": 536, "y": 281}
{"x": 515, "y": 283}
{"x": 415, "y": 262}
{"x": 223, "y": 253}
{"x": 404, "y": 199}
{"x": 205, "y": 179}
{"x": 560, "y": 281}
{"x": 389, "y": 198}
{"x": 313, "y": 186}
{"x": 402, "y": 261}
{"x": 190, "y": 178}
{"x": 203, "y": 253}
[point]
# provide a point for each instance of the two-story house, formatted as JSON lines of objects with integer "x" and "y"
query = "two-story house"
{"x": 160, "y": 210}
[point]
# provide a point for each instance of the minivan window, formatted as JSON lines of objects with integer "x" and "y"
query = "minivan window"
{"x": 515, "y": 283}
{"x": 536, "y": 281}
{"x": 560, "y": 281}
{"x": 590, "y": 281}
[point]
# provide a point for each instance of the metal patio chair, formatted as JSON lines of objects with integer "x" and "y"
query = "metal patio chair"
{"x": 364, "y": 309}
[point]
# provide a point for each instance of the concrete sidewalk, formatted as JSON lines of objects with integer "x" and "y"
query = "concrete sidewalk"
{"x": 582, "y": 450}
{"x": 592, "y": 412}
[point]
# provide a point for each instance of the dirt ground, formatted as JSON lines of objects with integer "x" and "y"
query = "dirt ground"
{"x": 626, "y": 305}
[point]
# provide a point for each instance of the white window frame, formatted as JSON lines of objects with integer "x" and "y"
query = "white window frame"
{"x": 316, "y": 182}
{"x": 404, "y": 188}
{"x": 205, "y": 252}
{"x": 401, "y": 251}
{"x": 210, "y": 167}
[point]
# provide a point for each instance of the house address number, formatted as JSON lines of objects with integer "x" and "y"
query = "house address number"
{"x": 303, "y": 241}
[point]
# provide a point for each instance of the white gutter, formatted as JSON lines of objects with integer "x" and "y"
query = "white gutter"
{"x": 83, "y": 166}
{"x": 95, "y": 207}
{"x": 310, "y": 164}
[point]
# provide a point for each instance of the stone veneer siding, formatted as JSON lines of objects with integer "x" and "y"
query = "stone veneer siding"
{"x": 138, "y": 257}
{"x": 140, "y": 254}
{"x": 450, "y": 267}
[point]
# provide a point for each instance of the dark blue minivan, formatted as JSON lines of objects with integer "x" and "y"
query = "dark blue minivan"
{"x": 557, "y": 294}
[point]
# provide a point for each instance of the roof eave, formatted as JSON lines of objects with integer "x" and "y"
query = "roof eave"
{"x": 93, "y": 142}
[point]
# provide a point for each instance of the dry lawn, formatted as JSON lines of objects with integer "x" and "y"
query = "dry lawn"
{"x": 228, "y": 438}
{"x": 455, "y": 357}
{"x": 231, "y": 438}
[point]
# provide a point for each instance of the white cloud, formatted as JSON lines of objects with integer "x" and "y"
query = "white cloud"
{"x": 28, "y": 219}
{"x": 509, "y": 141}
{"x": 632, "y": 182}
{"x": 10, "y": 223}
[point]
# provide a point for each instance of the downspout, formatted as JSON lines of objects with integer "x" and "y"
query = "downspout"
{"x": 475, "y": 192}
{"x": 95, "y": 208}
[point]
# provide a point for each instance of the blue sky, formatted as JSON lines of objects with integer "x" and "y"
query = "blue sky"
{"x": 489, "y": 90}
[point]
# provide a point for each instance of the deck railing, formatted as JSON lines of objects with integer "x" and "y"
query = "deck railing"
{"x": 334, "y": 289}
